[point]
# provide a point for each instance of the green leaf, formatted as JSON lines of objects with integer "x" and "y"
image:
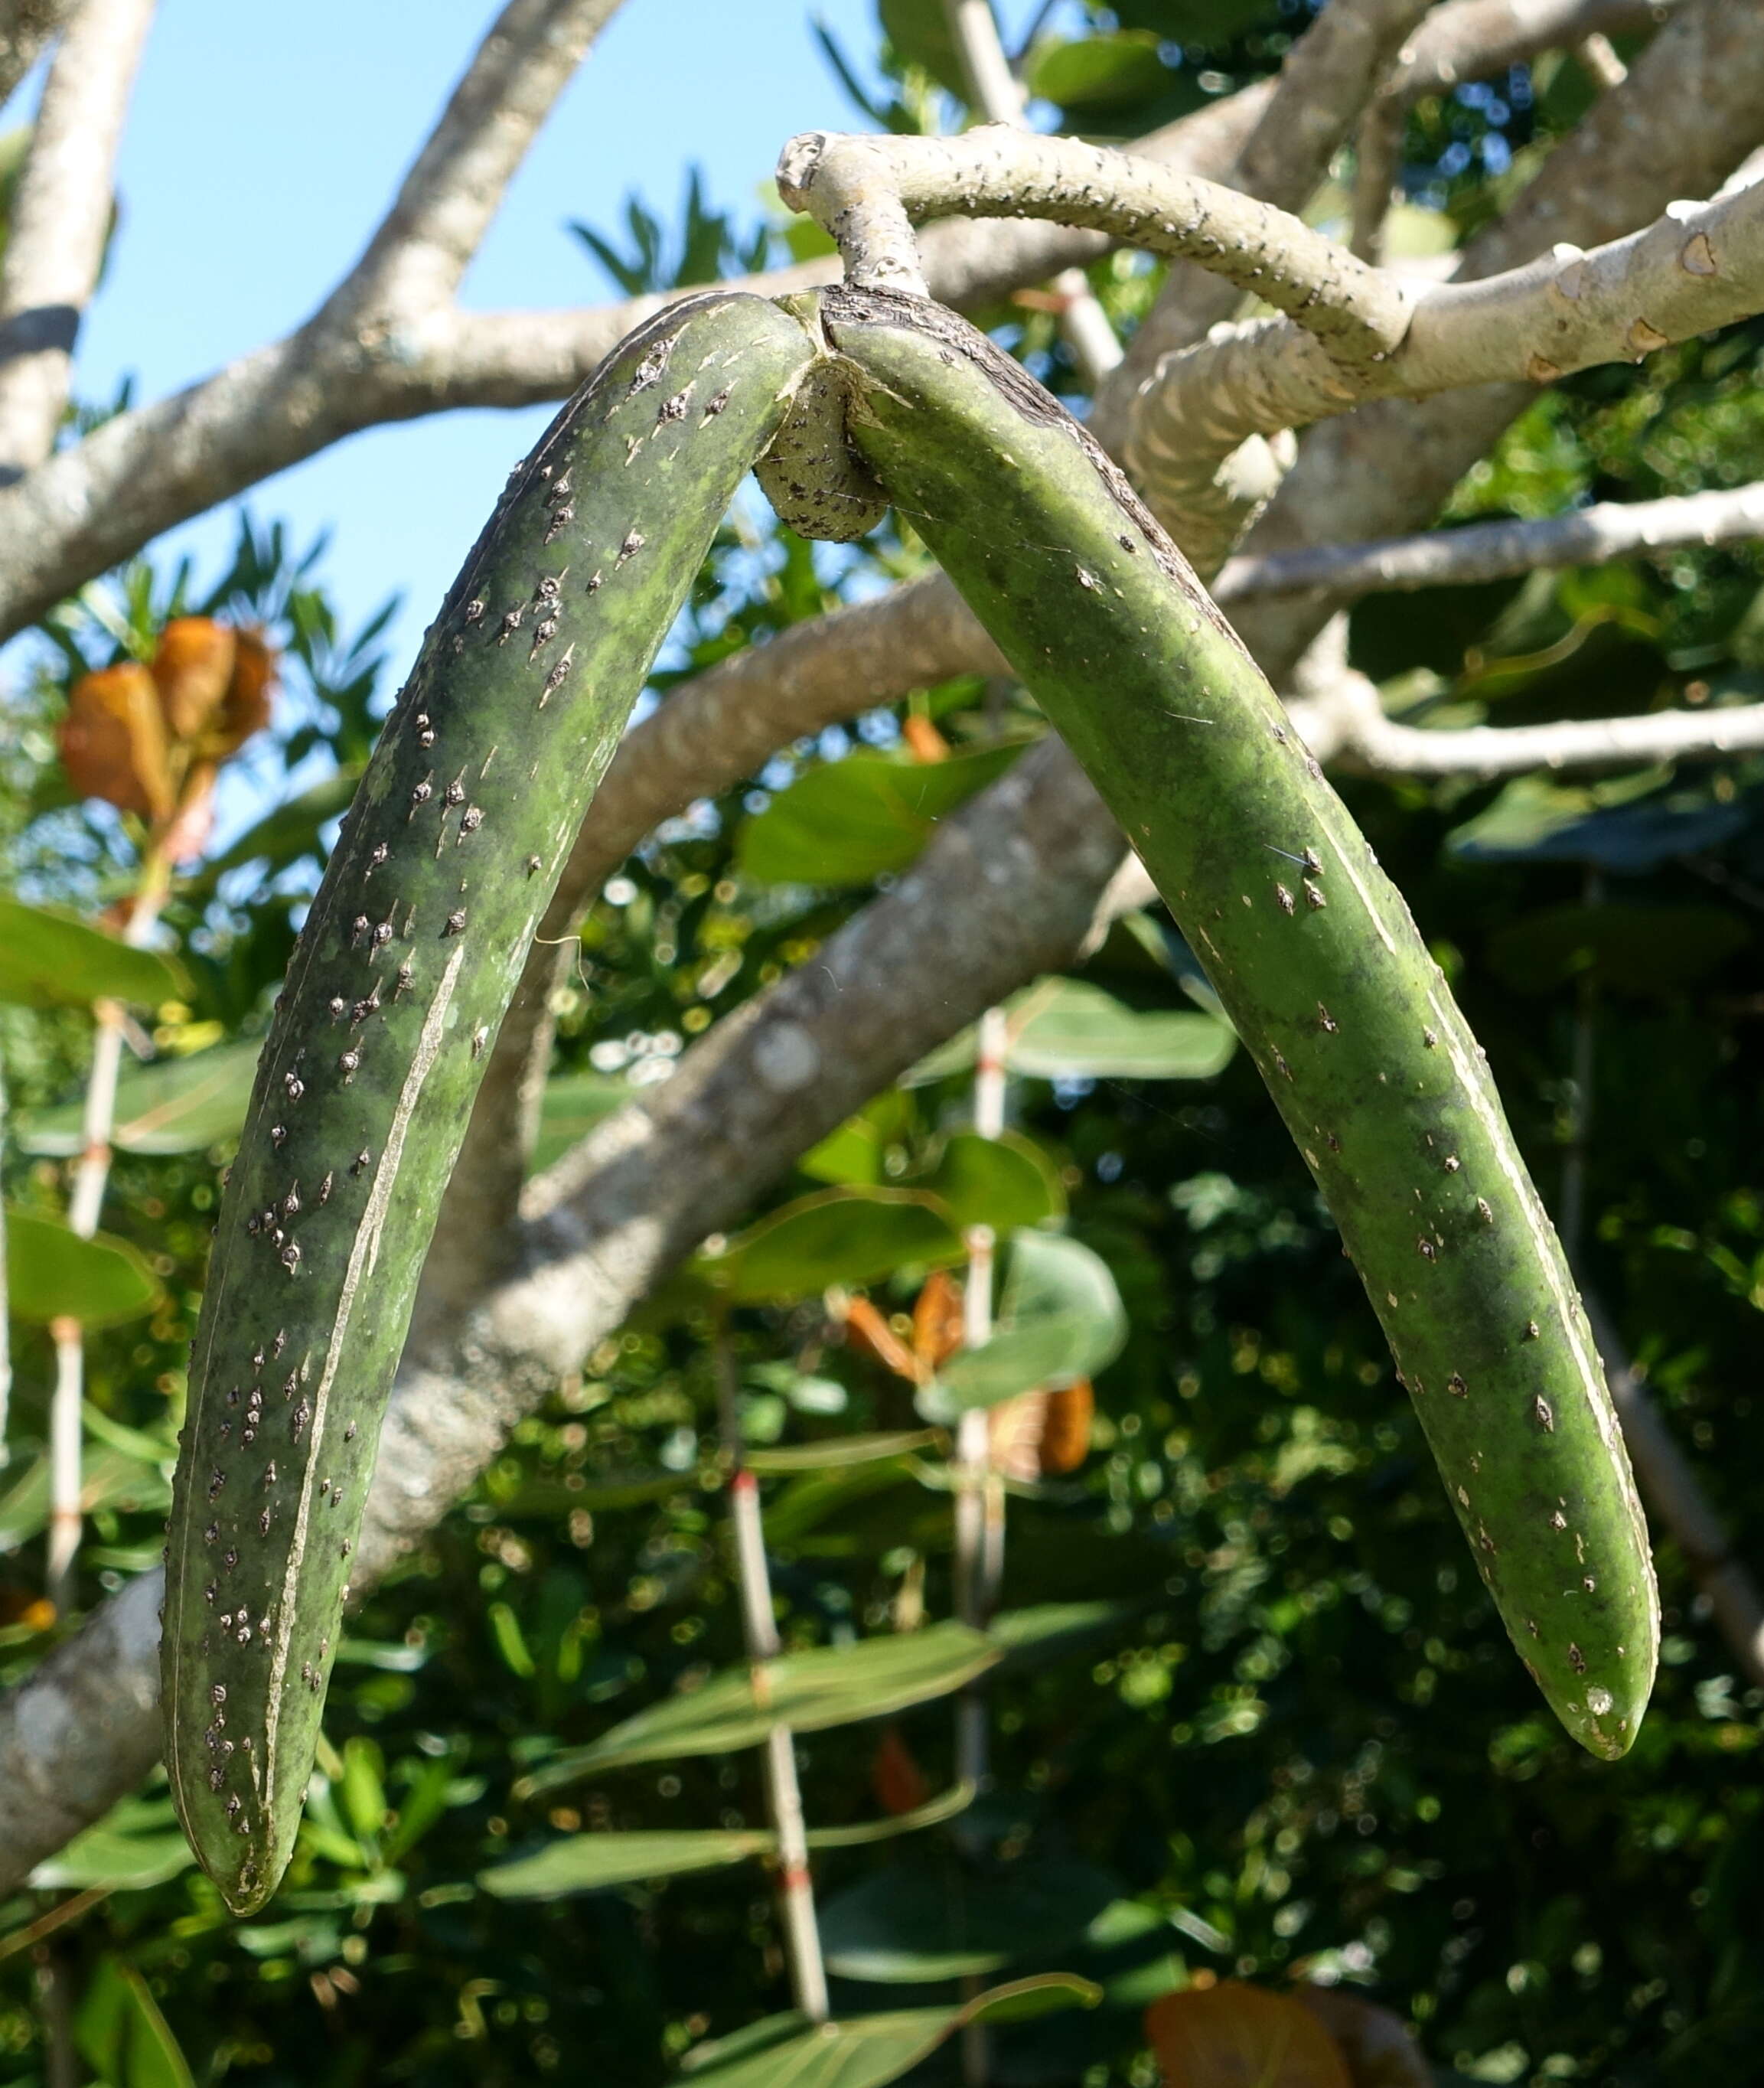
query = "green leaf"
{"x": 866, "y": 2051}
{"x": 137, "y": 1843}
{"x": 837, "y": 1451}
{"x": 831, "y": 1686}
{"x": 834, "y": 1236}
{"x": 108, "y": 1478}
{"x": 53, "y": 1273}
{"x": 589, "y": 1863}
{"x": 1626, "y": 823}
{"x": 174, "y": 1105}
{"x": 1006, "y": 1183}
{"x": 1067, "y": 1028}
{"x": 849, "y": 822}
{"x": 1099, "y": 73}
{"x": 49, "y": 959}
{"x": 569, "y": 1110}
{"x": 121, "y": 2033}
{"x": 851, "y": 1155}
{"x": 915, "y": 1922}
{"x": 920, "y": 32}
{"x": 1060, "y": 1318}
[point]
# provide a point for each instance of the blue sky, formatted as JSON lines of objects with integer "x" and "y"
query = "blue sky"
{"x": 263, "y": 143}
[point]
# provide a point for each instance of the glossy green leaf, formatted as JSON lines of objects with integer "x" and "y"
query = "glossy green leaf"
{"x": 1067, "y": 1028}
{"x": 174, "y": 1105}
{"x": 852, "y": 1155}
{"x": 1004, "y": 1182}
{"x": 121, "y": 2033}
{"x": 569, "y": 1110}
{"x": 831, "y": 1686}
{"x": 53, "y": 1273}
{"x": 1099, "y": 73}
{"x": 852, "y": 821}
{"x": 1060, "y": 1318}
{"x": 866, "y": 2052}
{"x": 835, "y": 1452}
{"x": 918, "y": 1921}
{"x": 1627, "y": 824}
{"x": 108, "y": 1478}
{"x": 589, "y": 1862}
{"x": 137, "y": 1843}
{"x": 920, "y": 32}
{"x": 835, "y": 1236}
{"x": 48, "y": 959}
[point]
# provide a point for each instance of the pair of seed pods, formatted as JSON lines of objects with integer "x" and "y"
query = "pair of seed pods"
{"x": 844, "y": 401}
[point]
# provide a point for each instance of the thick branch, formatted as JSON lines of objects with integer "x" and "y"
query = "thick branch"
{"x": 1474, "y": 39}
{"x": 60, "y": 219}
{"x": 416, "y": 258}
{"x": 26, "y": 26}
{"x": 1498, "y": 550}
{"x": 1014, "y": 880}
{"x": 1691, "y": 110}
{"x": 866, "y": 192}
{"x": 1697, "y": 267}
{"x": 143, "y": 471}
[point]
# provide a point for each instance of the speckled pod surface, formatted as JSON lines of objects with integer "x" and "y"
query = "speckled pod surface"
{"x": 1314, "y": 954}
{"x": 403, "y": 971}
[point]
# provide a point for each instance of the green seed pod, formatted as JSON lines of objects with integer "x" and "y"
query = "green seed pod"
{"x": 1314, "y": 954}
{"x": 403, "y": 971}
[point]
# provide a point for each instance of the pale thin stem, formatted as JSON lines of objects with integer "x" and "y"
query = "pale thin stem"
{"x": 85, "y": 1206}
{"x": 759, "y": 1630}
{"x": 61, "y": 220}
{"x": 867, "y": 192}
{"x": 998, "y": 95}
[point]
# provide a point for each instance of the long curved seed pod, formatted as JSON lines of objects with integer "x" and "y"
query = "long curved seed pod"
{"x": 1314, "y": 954}
{"x": 400, "y": 979}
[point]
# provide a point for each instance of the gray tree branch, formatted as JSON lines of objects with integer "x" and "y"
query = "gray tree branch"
{"x": 26, "y": 26}
{"x": 59, "y": 220}
{"x": 1481, "y": 551}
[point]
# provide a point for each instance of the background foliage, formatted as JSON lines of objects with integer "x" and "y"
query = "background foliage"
{"x": 1298, "y": 1739}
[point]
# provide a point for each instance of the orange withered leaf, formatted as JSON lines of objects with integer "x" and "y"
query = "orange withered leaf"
{"x": 1065, "y": 1430}
{"x": 924, "y": 741}
{"x": 112, "y": 741}
{"x": 899, "y": 1782}
{"x": 250, "y": 694}
{"x": 1234, "y": 2035}
{"x": 192, "y": 666}
{"x": 937, "y": 1320}
{"x": 1376, "y": 2045}
{"x": 866, "y": 1329}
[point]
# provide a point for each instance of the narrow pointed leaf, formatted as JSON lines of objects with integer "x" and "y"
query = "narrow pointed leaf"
{"x": 832, "y": 1686}
{"x": 845, "y": 1236}
{"x": 174, "y": 1105}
